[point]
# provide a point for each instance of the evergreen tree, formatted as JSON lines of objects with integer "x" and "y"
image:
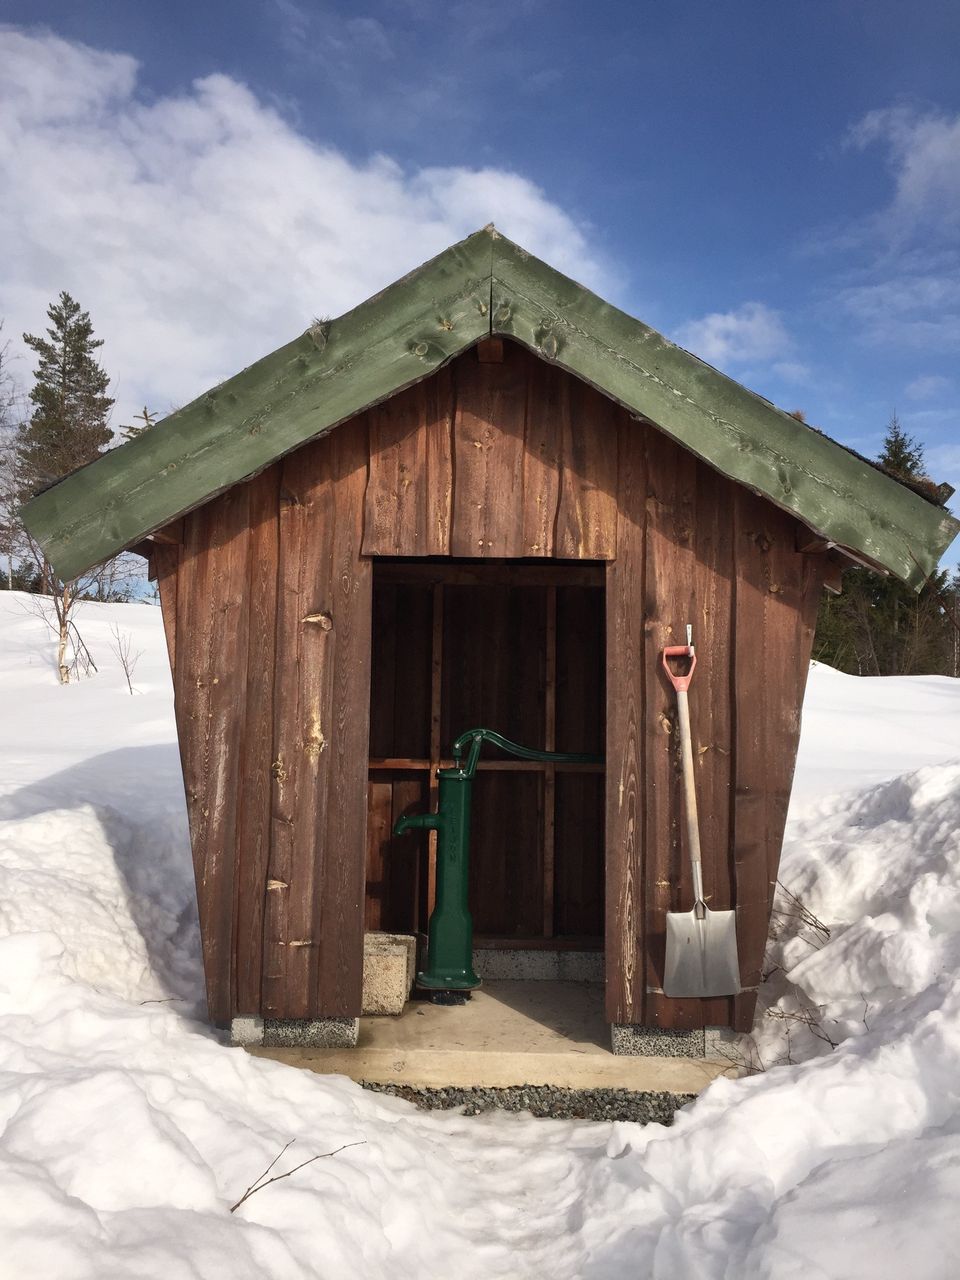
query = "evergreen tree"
{"x": 67, "y": 428}
{"x": 902, "y": 454}
{"x": 879, "y": 626}
{"x": 68, "y": 423}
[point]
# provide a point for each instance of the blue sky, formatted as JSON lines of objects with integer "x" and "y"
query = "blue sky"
{"x": 775, "y": 186}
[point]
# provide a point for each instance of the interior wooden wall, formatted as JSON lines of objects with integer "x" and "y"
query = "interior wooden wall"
{"x": 520, "y": 648}
{"x": 266, "y": 594}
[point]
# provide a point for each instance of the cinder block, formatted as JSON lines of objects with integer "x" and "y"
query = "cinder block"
{"x": 721, "y": 1044}
{"x": 311, "y": 1033}
{"x": 496, "y": 965}
{"x": 632, "y": 1040}
{"x": 389, "y": 965}
{"x": 246, "y": 1030}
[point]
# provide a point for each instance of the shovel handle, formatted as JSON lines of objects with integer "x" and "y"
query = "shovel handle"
{"x": 680, "y": 683}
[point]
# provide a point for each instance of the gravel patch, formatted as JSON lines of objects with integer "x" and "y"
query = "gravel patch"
{"x": 545, "y": 1101}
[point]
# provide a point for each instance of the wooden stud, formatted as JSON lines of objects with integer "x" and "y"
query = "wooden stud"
{"x": 436, "y": 744}
{"x": 549, "y": 776}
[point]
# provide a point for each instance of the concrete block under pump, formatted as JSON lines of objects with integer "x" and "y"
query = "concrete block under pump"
{"x": 389, "y": 967}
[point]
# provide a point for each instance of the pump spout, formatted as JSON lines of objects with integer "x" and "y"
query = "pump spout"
{"x": 417, "y": 822}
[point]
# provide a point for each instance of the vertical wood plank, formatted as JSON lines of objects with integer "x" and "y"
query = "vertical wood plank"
{"x": 488, "y": 447}
{"x": 671, "y": 487}
{"x": 587, "y": 511}
{"x": 211, "y": 659}
{"x": 314, "y": 934}
{"x": 337, "y": 977}
{"x": 409, "y": 488}
{"x": 626, "y": 678}
{"x": 696, "y": 587}
{"x": 547, "y": 419}
{"x": 395, "y": 520}
{"x": 776, "y": 597}
{"x": 438, "y": 393}
{"x": 165, "y": 562}
{"x": 436, "y": 741}
{"x": 253, "y": 835}
{"x": 550, "y": 773}
{"x": 301, "y": 701}
{"x": 379, "y": 825}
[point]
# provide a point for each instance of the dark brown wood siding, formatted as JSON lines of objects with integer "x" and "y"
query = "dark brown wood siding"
{"x": 693, "y": 547}
{"x": 267, "y": 603}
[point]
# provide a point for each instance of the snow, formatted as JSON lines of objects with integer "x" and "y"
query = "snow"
{"x": 129, "y": 1128}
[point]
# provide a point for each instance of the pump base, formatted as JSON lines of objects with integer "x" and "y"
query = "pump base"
{"x": 462, "y": 981}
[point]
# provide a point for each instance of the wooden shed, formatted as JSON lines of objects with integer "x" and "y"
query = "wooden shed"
{"x": 484, "y": 496}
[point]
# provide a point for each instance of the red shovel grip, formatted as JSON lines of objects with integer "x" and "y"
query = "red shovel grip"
{"x": 680, "y": 683}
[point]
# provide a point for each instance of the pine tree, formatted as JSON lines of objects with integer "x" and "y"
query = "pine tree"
{"x": 879, "y": 626}
{"x": 67, "y": 427}
{"x": 902, "y": 454}
{"x": 68, "y": 424}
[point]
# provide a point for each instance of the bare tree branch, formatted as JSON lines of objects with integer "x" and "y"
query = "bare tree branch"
{"x": 263, "y": 1181}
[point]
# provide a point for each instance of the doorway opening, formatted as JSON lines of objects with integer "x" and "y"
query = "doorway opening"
{"x": 517, "y": 646}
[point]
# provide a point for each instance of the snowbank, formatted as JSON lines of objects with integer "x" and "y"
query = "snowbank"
{"x": 129, "y": 1130}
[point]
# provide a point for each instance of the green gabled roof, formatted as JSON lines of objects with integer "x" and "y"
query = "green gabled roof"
{"x": 484, "y": 285}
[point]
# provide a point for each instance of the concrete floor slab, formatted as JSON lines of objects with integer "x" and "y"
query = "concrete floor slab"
{"x": 509, "y": 1033}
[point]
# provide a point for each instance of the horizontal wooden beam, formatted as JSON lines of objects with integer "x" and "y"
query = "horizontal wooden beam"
{"x": 490, "y": 573}
{"x": 405, "y": 764}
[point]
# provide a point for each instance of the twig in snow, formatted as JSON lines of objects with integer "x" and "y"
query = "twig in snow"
{"x": 259, "y": 1183}
{"x": 810, "y": 1018}
{"x": 123, "y": 648}
{"x": 866, "y": 1010}
{"x": 803, "y": 916}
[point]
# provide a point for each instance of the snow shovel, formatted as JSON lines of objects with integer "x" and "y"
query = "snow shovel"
{"x": 701, "y": 944}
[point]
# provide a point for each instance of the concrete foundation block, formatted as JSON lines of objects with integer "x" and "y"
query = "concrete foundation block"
{"x": 515, "y": 965}
{"x": 316, "y": 1033}
{"x": 389, "y": 965}
{"x": 632, "y": 1040}
{"x": 721, "y": 1044}
{"x": 246, "y": 1030}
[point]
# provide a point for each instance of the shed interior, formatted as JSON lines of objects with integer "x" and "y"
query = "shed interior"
{"x": 513, "y": 645}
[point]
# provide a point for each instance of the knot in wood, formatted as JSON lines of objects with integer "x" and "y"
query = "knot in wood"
{"x": 319, "y": 334}
{"x": 502, "y": 313}
{"x": 322, "y": 620}
{"x": 420, "y": 349}
{"x": 548, "y": 343}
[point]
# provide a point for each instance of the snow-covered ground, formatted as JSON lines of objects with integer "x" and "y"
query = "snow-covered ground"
{"x": 129, "y": 1129}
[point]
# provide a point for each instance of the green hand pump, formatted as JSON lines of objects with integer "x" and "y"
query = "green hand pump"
{"x": 450, "y": 941}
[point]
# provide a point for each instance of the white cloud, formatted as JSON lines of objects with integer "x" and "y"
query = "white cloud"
{"x": 909, "y": 308}
{"x": 202, "y": 230}
{"x": 792, "y": 371}
{"x": 927, "y": 386}
{"x": 752, "y": 332}
{"x": 923, "y": 151}
{"x": 908, "y": 292}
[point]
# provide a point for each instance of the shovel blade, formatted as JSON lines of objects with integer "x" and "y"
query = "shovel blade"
{"x": 701, "y": 954}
